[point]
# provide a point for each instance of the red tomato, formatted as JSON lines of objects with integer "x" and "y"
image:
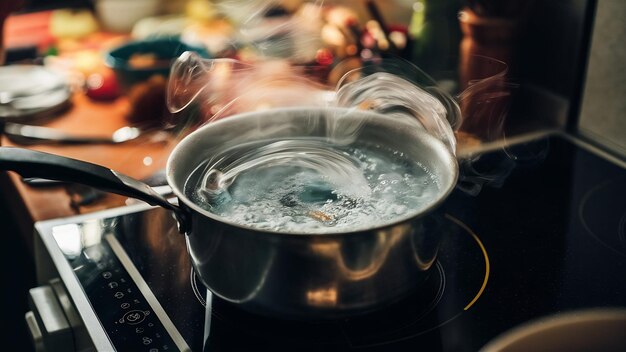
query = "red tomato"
{"x": 102, "y": 86}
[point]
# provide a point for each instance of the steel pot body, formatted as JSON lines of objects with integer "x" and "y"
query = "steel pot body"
{"x": 312, "y": 275}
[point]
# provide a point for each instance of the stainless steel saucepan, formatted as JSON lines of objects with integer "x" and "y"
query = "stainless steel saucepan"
{"x": 290, "y": 275}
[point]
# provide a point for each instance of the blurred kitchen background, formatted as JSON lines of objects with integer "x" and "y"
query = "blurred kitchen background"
{"x": 545, "y": 45}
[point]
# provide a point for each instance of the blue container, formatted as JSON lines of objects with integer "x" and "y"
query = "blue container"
{"x": 165, "y": 50}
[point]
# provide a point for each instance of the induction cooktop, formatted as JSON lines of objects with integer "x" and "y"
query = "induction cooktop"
{"x": 533, "y": 229}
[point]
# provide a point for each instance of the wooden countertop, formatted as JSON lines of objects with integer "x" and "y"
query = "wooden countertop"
{"x": 136, "y": 159}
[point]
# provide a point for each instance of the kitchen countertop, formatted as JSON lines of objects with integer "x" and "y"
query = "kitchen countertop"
{"x": 136, "y": 159}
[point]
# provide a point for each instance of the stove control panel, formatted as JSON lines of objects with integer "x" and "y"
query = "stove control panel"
{"x": 125, "y": 314}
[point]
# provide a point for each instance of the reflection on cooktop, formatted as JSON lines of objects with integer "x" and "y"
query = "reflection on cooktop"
{"x": 602, "y": 213}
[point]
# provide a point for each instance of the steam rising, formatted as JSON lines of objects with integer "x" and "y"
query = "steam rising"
{"x": 295, "y": 37}
{"x": 484, "y": 105}
{"x": 224, "y": 87}
{"x": 399, "y": 99}
{"x": 317, "y": 155}
{"x": 201, "y": 91}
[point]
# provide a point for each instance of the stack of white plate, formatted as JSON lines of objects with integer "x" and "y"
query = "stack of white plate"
{"x": 29, "y": 91}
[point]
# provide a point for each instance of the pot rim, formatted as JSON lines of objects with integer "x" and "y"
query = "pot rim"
{"x": 180, "y": 194}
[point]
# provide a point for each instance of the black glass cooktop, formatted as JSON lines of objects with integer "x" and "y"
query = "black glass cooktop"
{"x": 546, "y": 234}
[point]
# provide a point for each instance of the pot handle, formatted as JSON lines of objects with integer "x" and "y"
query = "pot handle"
{"x": 30, "y": 163}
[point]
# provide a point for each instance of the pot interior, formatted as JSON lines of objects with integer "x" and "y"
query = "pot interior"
{"x": 337, "y": 124}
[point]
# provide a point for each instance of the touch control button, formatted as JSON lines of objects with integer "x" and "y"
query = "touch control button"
{"x": 134, "y": 317}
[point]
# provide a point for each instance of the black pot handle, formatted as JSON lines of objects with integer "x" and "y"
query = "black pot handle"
{"x": 30, "y": 163}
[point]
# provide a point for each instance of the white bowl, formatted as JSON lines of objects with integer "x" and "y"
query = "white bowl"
{"x": 121, "y": 15}
{"x": 576, "y": 331}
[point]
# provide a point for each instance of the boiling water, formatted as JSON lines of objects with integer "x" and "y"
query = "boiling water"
{"x": 311, "y": 186}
